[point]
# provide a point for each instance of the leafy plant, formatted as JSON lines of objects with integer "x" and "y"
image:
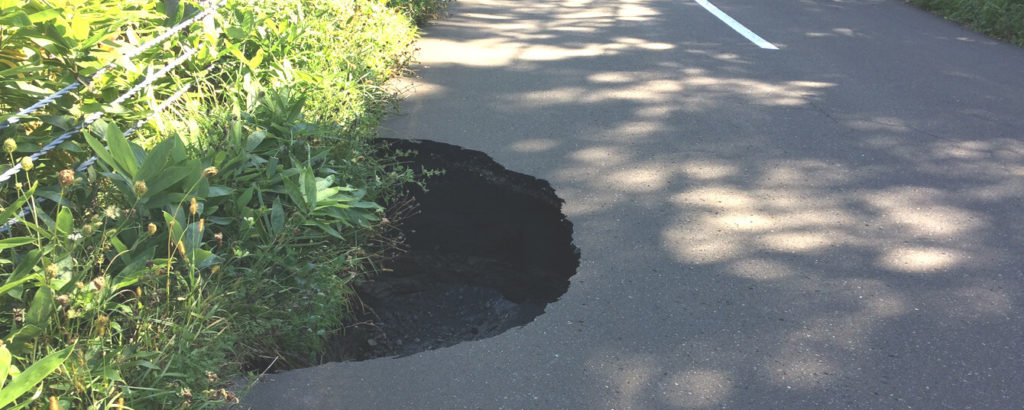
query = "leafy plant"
{"x": 225, "y": 231}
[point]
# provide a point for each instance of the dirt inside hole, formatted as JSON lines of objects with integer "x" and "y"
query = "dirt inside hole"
{"x": 487, "y": 251}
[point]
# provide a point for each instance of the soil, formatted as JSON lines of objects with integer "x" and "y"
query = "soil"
{"x": 487, "y": 251}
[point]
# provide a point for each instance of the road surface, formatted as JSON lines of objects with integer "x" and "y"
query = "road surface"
{"x": 834, "y": 221}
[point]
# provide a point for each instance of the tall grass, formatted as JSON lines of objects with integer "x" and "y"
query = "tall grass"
{"x": 1002, "y": 19}
{"x": 221, "y": 237}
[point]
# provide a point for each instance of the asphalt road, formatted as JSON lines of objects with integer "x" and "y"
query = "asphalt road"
{"x": 838, "y": 223}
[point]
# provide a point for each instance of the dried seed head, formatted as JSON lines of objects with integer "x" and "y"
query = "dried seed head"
{"x": 26, "y": 163}
{"x": 202, "y": 224}
{"x": 193, "y": 207}
{"x": 219, "y": 237}
{"x": 51, "y": 271}
{"x": 10, "y": 145}
{"x": 67, "y": 177}
{"x": 101, "y": 324}
{"x": 140, "y": 188}
{"x": 210, "y": 172}
{"x": 63, "y": 300}
{"x": 181, "y": 248}
{"x": 87, "y": 229}
{"x": 99, "y": 282}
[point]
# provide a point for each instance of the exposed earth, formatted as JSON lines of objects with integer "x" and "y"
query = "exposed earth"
{"x": 487, "y": 250}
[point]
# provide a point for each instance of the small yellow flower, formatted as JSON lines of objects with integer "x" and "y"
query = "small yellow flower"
{"x": 210, "y": 172}
{"x": 151, "y": 228}
{"x": 54, "y": 404}
{"x": 215, "y": 269}
{"x": 140, "y": 188}
{"x": 67, "y": 177}
{"x": 181, "y": 248}
{"x": 10, "y": 145}
{"x": 202, "y": 224}
{"x": 193, "y": 207}
{"x": 26, "y": 163}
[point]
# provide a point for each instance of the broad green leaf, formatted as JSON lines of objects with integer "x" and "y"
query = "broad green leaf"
{"x": 243, "y": 200}
{"x": 254, "y": 140}
{"x": 156, "y": 160}
{"x": 24, "y": 268}
{"x": 194, "y": 172}
{"x": 15, "y": 71}
{"x": 176, "y": 229}
{"x": 276, "y": 217}
{"x": 295, "y": 194}
{"x": 41, "y": 308}
{"x": 118, "y": 245}
{"x": 165, "y": 179}
{"x": 21, "y": 340}
{"x": 365, "y": 205}
{"x": 327, "y": 228}
{"x": 16, "y": 19}
{"x": 272, "y": 167}
{"x": 11, "y": 285}
{"x": 65, "y": 222}
{"x": 45, "y": 15}
{"x": 121, "y": 150}
{"x": 15, "y": 242}
{"x": 14, "y": 208}
{"x": 216, "y": 191}
{"x": 5, "y": 364}
{"x": 201, "y": 258}
{"x": 236, "y": 33}
{"x": 254, "y": 63}
{"x": 193, "y": 237}
{"x": 80, "y": 28}
{"x": 101, "y": 151}
{"x": 308, "y": 187}
{"x": 134, "y": 270}
{"x": 34, "y": 375}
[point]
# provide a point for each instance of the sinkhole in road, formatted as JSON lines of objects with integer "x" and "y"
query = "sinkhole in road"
{"x": 487, "y": 250}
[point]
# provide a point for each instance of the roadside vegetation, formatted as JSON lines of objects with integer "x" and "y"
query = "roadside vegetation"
{"x": 1002, "y": 19}
{"x": 220, "y": 237}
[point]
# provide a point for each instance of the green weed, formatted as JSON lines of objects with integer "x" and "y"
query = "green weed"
{"x": 1003, "y": 19}
{"x": 224, "y": 234}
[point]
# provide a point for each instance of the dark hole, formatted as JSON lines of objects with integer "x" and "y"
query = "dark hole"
{"x": 487, "y": 251}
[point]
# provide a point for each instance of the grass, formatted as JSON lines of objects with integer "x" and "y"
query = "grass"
{"x": 222, "y": 236}
{"x": 1002, "y": 19}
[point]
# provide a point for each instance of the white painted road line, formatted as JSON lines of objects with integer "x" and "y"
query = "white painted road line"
{"x": 750, "y": 35}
